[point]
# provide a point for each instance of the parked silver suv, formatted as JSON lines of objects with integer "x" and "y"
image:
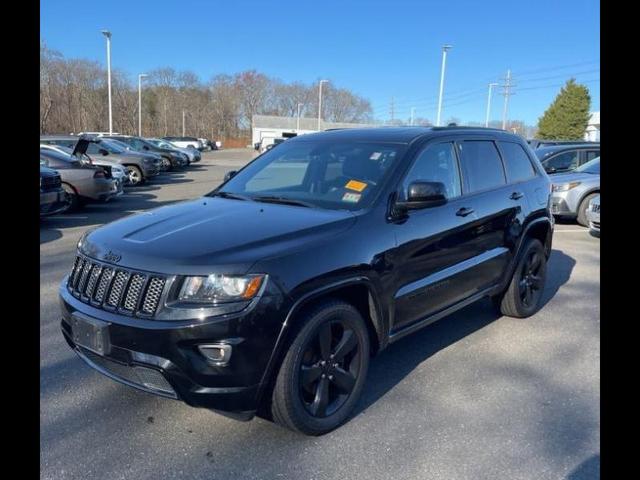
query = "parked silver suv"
{"x": 572, "y": 191}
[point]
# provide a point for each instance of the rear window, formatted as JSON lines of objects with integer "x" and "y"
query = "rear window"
{"x": 481, "y": 165}
{"x": 516, "y": 162}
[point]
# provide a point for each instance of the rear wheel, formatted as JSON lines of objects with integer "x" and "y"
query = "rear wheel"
{"x": 324, "y": 370}
{"x": 73, "y": 200}
{"x": 135, "y": 175}
{"x": 524, "y": 294}
{"x": 582, "y": 209}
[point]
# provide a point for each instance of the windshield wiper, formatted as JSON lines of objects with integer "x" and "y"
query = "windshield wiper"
{"x": 283, "y": 201}
{"x": 233, "y": 196}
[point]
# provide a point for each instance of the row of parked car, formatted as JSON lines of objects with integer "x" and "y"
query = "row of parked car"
{"x": 574, "y": 169}
{"x": 95, "y": 167}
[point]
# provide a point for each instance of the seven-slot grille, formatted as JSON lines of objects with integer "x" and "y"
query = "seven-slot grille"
{"x": 112, "y": 288}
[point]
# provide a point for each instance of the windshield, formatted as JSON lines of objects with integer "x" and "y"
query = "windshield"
{"x": 592, "y": 166}
{"x": 337, "y": 175}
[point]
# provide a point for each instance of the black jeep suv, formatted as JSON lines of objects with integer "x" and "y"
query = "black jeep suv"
{"x": 306, "y": 263}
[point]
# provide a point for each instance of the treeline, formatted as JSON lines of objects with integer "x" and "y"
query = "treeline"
{"x": 73, "y": 98}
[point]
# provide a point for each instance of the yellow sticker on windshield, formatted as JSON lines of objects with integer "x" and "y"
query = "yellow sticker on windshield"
{"x": 355, "y": 185}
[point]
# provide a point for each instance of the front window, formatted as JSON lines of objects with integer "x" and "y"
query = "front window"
{"x": 336, "y": 175}
{"x": 592, "y": 167}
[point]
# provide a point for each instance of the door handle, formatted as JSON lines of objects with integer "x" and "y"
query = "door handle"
{"x": 516, "y": 195}
{"x": 464, "y": 211}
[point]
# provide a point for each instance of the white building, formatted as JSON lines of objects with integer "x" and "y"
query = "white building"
{"x": 268, "y": 127}
{"x": 592, "y": 133}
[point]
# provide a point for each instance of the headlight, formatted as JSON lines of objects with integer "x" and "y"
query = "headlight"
{"x": 564, "y": 187}
{"x": 219, "y": 288}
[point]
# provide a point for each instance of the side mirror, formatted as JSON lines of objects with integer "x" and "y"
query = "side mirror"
{"x": 230, "y": 175}
{"x": 549, "y": 169}
{"x": 425, "y": 195}
{"x": 104, "y": 152}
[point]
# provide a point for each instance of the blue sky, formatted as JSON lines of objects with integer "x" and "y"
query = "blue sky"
{"x": 379, "y": 49}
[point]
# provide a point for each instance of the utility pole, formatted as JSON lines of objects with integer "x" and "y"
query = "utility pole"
{"x": 183, "y": 129}
{"x": 140, "y": 77}
{"x": 445, "y": 49}
{"x": 486, "y": 122}
{"x": 413, "y": 109}
{"x": 107, "y": 34}
{"x": 507, "y": 92}
{"x": 298, "y": 119}
{"x": 320, "y": 101}
{"x": 392, "y": 110}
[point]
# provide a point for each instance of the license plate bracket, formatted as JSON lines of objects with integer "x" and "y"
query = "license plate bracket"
{"x": 91, "y": 334}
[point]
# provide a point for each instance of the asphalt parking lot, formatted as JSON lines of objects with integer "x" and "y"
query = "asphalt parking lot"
{"x": 472, "y": 396}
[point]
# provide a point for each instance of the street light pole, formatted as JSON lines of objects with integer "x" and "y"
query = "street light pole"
{"x": 413, "y": 109}
{"x": 298, "y": 120}
{"x": 491, "y": 85}
{"x": 183, "y": 129}
{"x": 320, "y": 101}
{"x": 445, "y": 49}
{"x": 140, "y": 77}
{"x": 107, "y": 34}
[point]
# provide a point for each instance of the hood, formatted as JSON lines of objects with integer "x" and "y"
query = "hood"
{"x": 47, "y": 172}
{"x": 573, "y": 177}
{"x": 208, "y": 235}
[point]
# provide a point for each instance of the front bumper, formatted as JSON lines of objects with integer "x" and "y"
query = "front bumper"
{"x": 560, "y": 205}
{"x": 150, "y": 170}
{"x": 594, "y": 220}
{"x": 141, "y": 348}
{"x": 53, "y": 202}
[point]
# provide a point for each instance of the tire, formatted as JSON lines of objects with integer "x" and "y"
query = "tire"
{"x": 523, "y": 297}
{"x": 72, "y": 198}
{"x": 135, "y": 175}
{"x": 582, "y": 209}
{"x": 167, "y": 166}
{"x": 323, "y": 398}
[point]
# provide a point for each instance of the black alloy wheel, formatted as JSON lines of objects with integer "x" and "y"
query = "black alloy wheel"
{"x": 523, "y": 297}
{"x": 324, "y": 369}
{"x": 329, "y": 368}
{"x": 531, "y": 282}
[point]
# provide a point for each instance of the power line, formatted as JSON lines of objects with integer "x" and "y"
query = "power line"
{"x": 560, "y": 67}
{"x": 562, "y": 75}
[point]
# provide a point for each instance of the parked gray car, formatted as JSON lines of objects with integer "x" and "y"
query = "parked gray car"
{"x": 82, "y": 183}
{"x": 572, "y": 191}
{"x": 117, "y": 171}
{"x": 593, "y": 216}
{"x": 140, "y": 166}
{"x": 193, "y": 154}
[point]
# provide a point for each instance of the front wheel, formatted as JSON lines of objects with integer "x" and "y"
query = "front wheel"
{"x": 135, "y": 175}
{"x": 582, "y": 209}
{"x": 324, "y": 370}
{"x": 523, "y": 297}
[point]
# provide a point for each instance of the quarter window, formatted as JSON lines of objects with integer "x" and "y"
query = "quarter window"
{"x": 481, "y": 165}
{"x": 436, "y": 163}
{"x": 516, "y": 162}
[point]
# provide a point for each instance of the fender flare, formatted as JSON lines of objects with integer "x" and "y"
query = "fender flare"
{"x": 374, "y": 306}
{"x": 518, "y": 251}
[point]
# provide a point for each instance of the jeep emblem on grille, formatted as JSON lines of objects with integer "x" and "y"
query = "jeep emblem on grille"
{"x": 112, "y": 257}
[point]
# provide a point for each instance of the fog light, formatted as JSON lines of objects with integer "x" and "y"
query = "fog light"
{"x": 218, "y": 354}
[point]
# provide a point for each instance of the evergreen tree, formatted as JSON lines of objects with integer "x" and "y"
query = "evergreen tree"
{"x": 567, "y": 117}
